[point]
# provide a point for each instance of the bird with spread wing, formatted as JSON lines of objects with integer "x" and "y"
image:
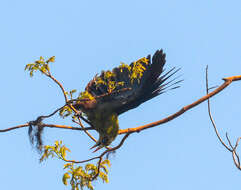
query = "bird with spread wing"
{"x": 125, "y": 87}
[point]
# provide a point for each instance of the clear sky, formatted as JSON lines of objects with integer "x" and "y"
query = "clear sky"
{"x": 89, "y": 36}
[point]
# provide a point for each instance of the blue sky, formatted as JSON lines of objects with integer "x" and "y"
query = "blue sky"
{"x": 89, "y": 36}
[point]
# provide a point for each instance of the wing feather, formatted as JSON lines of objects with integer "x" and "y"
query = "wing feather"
{"x": 123, "y": 89}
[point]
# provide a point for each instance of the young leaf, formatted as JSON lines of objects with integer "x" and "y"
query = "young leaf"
{"x": 51, "y": 59}
{"x": 66, "y": 176}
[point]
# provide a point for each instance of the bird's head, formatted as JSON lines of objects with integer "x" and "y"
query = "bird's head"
{"x": 102, "y": 142}
{"x": 108, "y": 130}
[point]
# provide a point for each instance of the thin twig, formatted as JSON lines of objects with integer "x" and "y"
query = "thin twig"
{"x": 66, "y": 127}
{"x": 229, "y": 142}
{"x": 16, "y": 127}
{"x": 110, "y": 150}
{"x": 59, "y": 84}
{"x": 50, "y": 115}
{"x": 234, "y": 150}
{"x": 67, "y": 102}
{"x": 100, "y": 157}
{"x": 210, "y": 115}
{"x": 46, "y": 125}
{"x": 230, "y": 148}
{"x": 81, "y": 125}
{"x": 84, "y": 129}
{"x": 234, "y": 153}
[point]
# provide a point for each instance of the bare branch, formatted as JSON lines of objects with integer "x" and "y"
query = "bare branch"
{"x": 211, "y": 118}
{"x": 230, "y": 148}
{"x": 81, "y": 125}
{"x": 50, "y": 115}
{"x": 67, "y": 127}
{"x": 227, "y": 82}
{"x": 47, "y": 125}
{"x": 16, "y": 127}
{"x": 229, "y": 142}
{"x": 59, "y": 84}
{"x": 84, "y": 129}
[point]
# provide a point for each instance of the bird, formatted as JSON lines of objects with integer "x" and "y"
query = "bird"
{"x": 115, "y": 92}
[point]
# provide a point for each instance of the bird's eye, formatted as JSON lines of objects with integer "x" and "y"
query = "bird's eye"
{"x": 105, "y": 140}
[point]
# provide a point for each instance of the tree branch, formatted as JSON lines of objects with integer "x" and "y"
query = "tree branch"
{"x": 16, "y": 127}
{"x": 46, "y": 125}
{"x": 210, "y": 115}
{"x": 227, "y": 82}
{"x": 59, "y": 84}
{"x": 228, "y": 146}
{"x": 69, "y": 104}
{"x": 102, "y": 154}
{"x": 100, "y": 157}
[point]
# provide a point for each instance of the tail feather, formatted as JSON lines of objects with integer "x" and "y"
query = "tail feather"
{"x": 153, "y": 82}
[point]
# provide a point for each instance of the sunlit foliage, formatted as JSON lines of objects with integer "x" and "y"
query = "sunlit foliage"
{"x": 78, "y": 177}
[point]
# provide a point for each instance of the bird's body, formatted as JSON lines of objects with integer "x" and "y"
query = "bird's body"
{"x": 117, "y": 91}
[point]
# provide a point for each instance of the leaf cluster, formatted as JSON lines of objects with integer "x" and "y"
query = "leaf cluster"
{"x": 77, "y": 176}
{"x": 66, "y": 110}
{"x": 40, "y": 65}
{"x": 57, "y": 150}
{"x": 70, "y": 93}
{"x": 80, "y": 177}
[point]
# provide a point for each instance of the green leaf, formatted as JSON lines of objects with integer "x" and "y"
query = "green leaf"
{"x": 89, "y": 185}
{"x": 73, "y": 91}
{"x": 41, "y": 58}
{"x": 65, "y": 111}
{"x": 56, "y": 143}
{"x": 31, "y": 73}
{"x": 47, "y": 67}
{"x": 43, "y": 69}
{"x": 66, "y": 176}
{"x": 68, "y": 165}
{"x": 106, "y": 162}
{"x": 104, "y": 177}
{"x": 51, "y": 59}
{"x": 104, "y": 168}
{"x": 27, "y": 67}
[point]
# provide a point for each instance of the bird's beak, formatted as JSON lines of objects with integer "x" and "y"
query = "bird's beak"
{"x": 96, "y": 145}
{"x": 98, "y": 148}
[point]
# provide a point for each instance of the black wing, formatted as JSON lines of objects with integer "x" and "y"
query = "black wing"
{"x": 152, "y": 83}
{"x": 126, "y": 87}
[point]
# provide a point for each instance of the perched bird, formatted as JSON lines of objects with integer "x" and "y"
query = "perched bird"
{"x": 125, "y": 87}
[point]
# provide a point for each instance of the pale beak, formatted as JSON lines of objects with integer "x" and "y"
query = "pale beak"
{"x": 96, "y": 145}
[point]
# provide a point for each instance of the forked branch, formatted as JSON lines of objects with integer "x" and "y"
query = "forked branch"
{"x": 229, "y": 146}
